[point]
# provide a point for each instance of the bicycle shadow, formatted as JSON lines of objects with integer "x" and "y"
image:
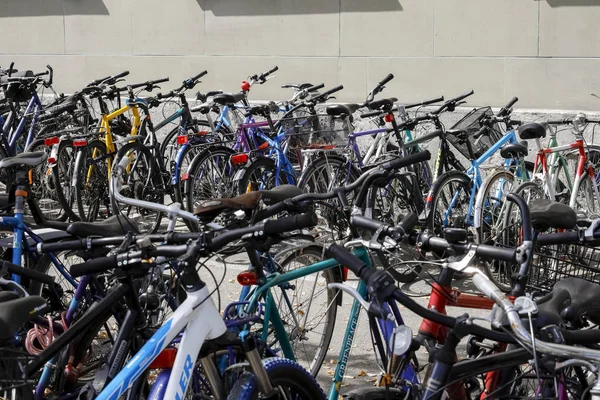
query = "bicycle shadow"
{"x": 42, "y": 8}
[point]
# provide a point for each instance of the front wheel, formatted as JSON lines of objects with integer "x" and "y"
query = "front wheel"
{"x": 448, "y": 203}
{"x": 287, "y": 377}
{"x": 262, "y": 174}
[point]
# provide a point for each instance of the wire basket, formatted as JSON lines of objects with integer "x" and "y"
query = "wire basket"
{"x": 551, "y": 264}
{"x": 467, "y": 127}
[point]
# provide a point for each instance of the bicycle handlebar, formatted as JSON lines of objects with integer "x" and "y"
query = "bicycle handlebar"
{"x": 425, "y": 103}
{"x": 323, "y": 96}
{"x": 504, "y": 111}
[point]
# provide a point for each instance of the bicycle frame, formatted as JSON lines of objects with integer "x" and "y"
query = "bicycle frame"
{"x": 475, "y": 175}
{"x": 271, "y": 316}
{"x": 10, "y": 138}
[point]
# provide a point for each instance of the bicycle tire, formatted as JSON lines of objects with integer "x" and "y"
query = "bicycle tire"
{"x": 188, "y": 156}
{"x": 144, "y": 182}
{"x": 68, "y": 200}
{"x": 462, "y": 183}
{"x": 490, "y": 204}
{"x": 585, "y": 198}
{"x": 213, "y": 159}
{"x": 91, "y": 189}
{"x": 500, "y": 272}
{"x": 316, "y": 361}
{"x": 285, "y": 375}
{"x": 261, "y": 174}
{"x": 377, "y": 393}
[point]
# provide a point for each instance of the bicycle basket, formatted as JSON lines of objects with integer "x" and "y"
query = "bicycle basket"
{"x": 470, "y": 124}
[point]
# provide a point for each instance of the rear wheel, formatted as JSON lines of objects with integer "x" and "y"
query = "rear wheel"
{"x": 143, "y": 181}
{"x": 262, "y": 175}
{"x": 62, "y": 173}
{"x": 448, "y": 203}
{"x": 91, "y": 190}
{"x": 44, "y": 187}
{"x": 491, "y": 201}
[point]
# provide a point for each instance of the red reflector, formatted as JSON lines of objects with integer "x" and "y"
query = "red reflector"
{"x": 388, "y": 118}
{"x": 185, "y": 176}
{"x": 79, "y": 142}
{"x": 182, "y": 139}
{"x": 239, "y": 158}
{"x": 245, "y": 86}
{"x": 203, "y": 133}
{"x": 263, "y": 146}
{"x": 247, "y": 278}
{"x": 165, "y": 359}
{"x": 51, "y": 141}
{"x": 51, "y": 160}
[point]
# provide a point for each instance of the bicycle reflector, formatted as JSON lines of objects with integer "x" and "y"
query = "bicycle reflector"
{"x": 185, "y": 176}
{"x": 388, "y": 118}
{"x": 202, "y": 133}
{"x": 263, "y": 146}
{"x": 51, "y": 160}
{"x": 182, "y": 139}
{"x": 51, "y": 141}
{"x": 241, "y": 158}
{"x": 79, "y": 142}
{"x": 245, "y": 86}
{"x": 247, "y": 278}
{"x": 165, "y": 359}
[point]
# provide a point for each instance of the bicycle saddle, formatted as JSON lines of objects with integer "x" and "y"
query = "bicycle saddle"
{"x": 19, "y": 74}
{"x": 514, "y": 150}
{"x": 382, "y": 103}
{"x": 584, "y": 299}
{"x": 208, "y": 210}
{"x": 297, "y": 86}
{"x": 547, "y": 214}
{"x": 532, "y": 130}
{"x": 342, "y": 110}
{"x": 14, "y": 313}
{"x": 30, "y": 159}
{"x": 68, "y": 104}
{"x": 116, "y": 225}
{"x": 280, "y": 193}
{"x": 225, "y": 99}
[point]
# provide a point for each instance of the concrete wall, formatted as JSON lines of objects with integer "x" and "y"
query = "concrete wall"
{"x": 547, "y": 52}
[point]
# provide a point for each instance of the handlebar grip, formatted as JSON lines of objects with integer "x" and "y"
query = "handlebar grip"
{"x": 121, "y": 75}
{"x": 62, "y": 246}
{"x": 480, "y": 132}
{"x": 27, "y": 273}
{"x": 408, "y": 160}
{"x": 94, "y": 266}
{"x": 288, "y": 224}
{"x": 315, "y": 87}
{"x": 409, "y": 222}
{"x": 275, "y": 68}
{"x": 511, "y": 103}
{"x": 425, "y": 103}
{"x": 330, "y": 91}
{"x": 525, "y": 215}
{"x": 97, "y": 81}
{"x": 558, "y": 121}
{"x": 350, "y": 261}
{"x": 581, "y": 337}
{"x": 464, "y": 95}
{"x": 385, "y": 80}
{"x": 42, "y": 73}
{"x": 200, "y": 75}
{"x": 369, "y": 224}
{"x": 163, "y": 80}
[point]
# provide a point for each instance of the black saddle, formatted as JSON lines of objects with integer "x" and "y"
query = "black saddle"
{"x": 342, "y": 110}
{"x": 280, "y": 193}
{"x": 514, "y": 150}
{"x": 30, "y": 159}
{"x": 116, "y": 225}
{"x": 226, "y": 99}
{"x": 297, "y": 86}
{"x": 382, "y": 104}
{"x": 584, "y": 299}
{"x": 547, "y": 214}
{"x": 67, "y": 105}
{"x": 15, "y": 312}
{"x": 532, "y": 130}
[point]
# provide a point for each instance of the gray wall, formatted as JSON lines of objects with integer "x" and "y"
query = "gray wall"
{"x": 547, "y": 52}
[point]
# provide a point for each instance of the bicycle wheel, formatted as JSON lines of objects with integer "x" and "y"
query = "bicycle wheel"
{"x": 307, "y": 308}
{"x": 62, "y": 174}
{"x": 377, "y": 393}
{"x": 141, "y": 181}
{"x": 448, "y": 202}
{"x": 291, "y": 381}
{"x": 184, "y": 160}
{"x": 44, "y": 188}
{"x": 91, "y": 190}
{"x": 262, "y": 175}
{"x": 210, "y": 176}
{"x": 491, "y": 205}
{"x": 390, "y": 202}
{"x": 509, "y": 235}
{"x": 586, "y": 203}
